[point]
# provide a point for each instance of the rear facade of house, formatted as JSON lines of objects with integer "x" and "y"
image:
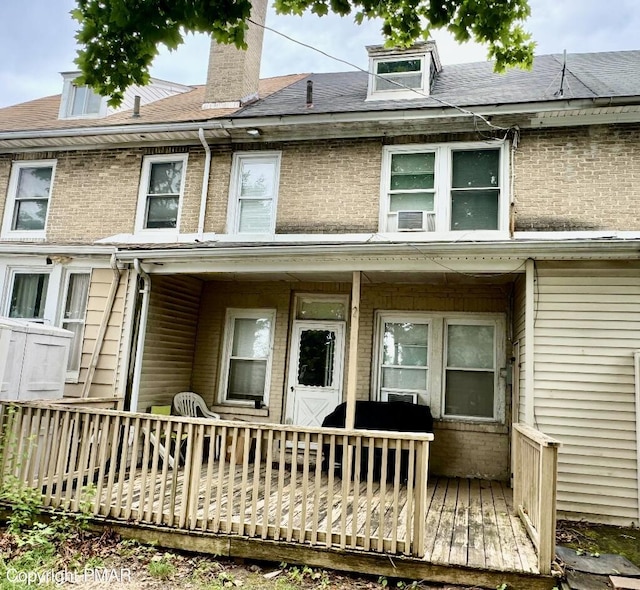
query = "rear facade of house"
{"x": 492, "y": 259}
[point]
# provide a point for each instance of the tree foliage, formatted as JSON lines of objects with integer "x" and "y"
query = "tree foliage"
{"x": 119, "y": 38}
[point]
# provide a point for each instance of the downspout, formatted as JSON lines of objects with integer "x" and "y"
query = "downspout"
{"x": 102, "y": 331}
{"x": 142, "y": 331}
{"x": 205, "y": 182}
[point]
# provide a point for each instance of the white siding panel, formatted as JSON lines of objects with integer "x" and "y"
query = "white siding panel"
{"x": 519, "y": 336}
{"x": 587, "y": 327}
{"x": 169, "y": 349}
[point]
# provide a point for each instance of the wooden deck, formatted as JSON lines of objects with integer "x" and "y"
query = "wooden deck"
{"x": 469, "y": 522}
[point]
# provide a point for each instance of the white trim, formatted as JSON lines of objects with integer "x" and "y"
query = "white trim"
{"x": 436, "y": 343}
{"x": 232, "y": 314}
{"x": 636, "y": 364}
{"x": 399, "y": 93}
{"x": 233, "y": 209}
{"x": 16, "y": 168}
{"x": 50, "y": 311}
{"x": 73, "y": 376}
{"x": 68, "y": 94}
{"x": 529, "y": 339}
{"x": 442, "y": 189}
{"x": 167, "y": 234}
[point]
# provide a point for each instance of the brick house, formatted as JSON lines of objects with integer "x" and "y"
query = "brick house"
{"x": 215, "y": 239}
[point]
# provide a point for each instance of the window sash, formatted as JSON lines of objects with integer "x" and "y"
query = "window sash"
{"x": 469, "y": 200}
{"x": 31, "y": 198}
{"x": 28, "y": 296}
{"x": 74, "y": 315}
{"x": 247, "y": 364}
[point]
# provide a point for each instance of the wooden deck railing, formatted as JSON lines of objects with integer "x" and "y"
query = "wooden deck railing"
{"x": 256, "y": 480}
{"x": 534, "y": 488}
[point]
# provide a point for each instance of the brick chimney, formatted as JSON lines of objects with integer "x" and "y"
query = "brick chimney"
{"x": 233, "y": 74}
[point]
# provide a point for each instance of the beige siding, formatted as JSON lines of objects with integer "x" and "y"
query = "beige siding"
{"x": 104, "y": 379}
{"x": 170, "y": 339}
{"x": 587, "y": 327}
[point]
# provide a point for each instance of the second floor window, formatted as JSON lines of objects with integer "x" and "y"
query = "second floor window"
{"x": 254, "y": 193}
{"x": 28, "y": 199}
{"x": 443, "y": 188}
{"x": 161, "y": 190}
{"x": 84, "y": 101}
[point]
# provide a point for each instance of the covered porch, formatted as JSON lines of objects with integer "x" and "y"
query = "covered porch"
{"x": 244, "y": 483}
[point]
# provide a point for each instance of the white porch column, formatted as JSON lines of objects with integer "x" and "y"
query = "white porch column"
{"x": 352, "y": 368}
{"x": 529, "y": 329}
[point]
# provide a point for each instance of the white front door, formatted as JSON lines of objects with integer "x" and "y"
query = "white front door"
{"x": 315, "y": 371}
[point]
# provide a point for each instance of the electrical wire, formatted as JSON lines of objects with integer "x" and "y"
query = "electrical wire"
{"x": 415, "y": 90}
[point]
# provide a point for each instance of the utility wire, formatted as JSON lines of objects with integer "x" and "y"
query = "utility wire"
{"x": 475, "y": 116}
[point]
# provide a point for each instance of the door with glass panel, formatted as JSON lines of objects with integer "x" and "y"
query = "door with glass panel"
{"x": 315, "y": 371}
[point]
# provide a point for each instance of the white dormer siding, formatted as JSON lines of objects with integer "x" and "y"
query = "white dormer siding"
{"x": 80, "y": 102}
{"x": 402, "y": 74}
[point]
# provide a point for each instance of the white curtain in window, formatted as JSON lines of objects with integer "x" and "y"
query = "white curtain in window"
{"x": 75, "y": 311}
{"x": 28, "y": 296}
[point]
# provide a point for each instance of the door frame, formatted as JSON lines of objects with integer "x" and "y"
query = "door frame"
{"x": 339, "y": 326}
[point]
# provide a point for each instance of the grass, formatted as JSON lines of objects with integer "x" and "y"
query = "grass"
{"x": 600, "y": 538}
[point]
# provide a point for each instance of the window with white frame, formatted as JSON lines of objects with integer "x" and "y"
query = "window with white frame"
{"x": 161, "y": 190}
{"x": 444, "y": 188}
{"x": 73, "y": 316}
{"x": 254, "y": 193}
{"x": 248, "y": 347}
{"x": 28, "y": 295}
{"x": 450, "y": 362}
{"x": 28, "y": 199}
{"x": 399, "y": 74}
{"x": 83, "y": 101}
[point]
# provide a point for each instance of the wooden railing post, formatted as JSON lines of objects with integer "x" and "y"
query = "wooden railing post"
{"x": 420, "y": 502}
{"x": 547, "y": 507}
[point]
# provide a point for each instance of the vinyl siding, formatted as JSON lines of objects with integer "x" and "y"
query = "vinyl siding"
{"x": 519, "y": 336}
{"x": 587, "y": 327}
{"x": 170, "y": 341}
{"x": 104, "y": 379}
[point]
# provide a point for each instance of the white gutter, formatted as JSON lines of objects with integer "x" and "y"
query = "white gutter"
{"x": 47, "y": 249}
{"x": 142, "y": 330}
{"x": 500, "y": 249}
{"x": 102, "y": 330}
{"x": 205, "y": 183}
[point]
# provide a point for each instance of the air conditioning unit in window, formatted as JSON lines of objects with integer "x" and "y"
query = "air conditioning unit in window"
{"x": 416, "y": 221}
{"x": 400, "y": 396}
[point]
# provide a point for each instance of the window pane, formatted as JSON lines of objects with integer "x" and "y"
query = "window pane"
{"x": 404, "y": 378}
{"x": 470, "y": 346}
{"x": 94, "y": 101}
{"x": 405, "y": 65}
{"x": 474, "y": 209}
{"x": 165, "y": 178}
{"x": 411, "y": 202}
{"x": 79, "y": 97}
{"x": 476, "y": 168}
{"x": 76, "y": 305}
{"x": 251, "y": 338}
{"x": 398, "y": 81}
{"x": 258, "y": 179}
{"x": 255, "y": 216}
{"x": 28, "y": 296}
{"x": 246, "y": 379}
{"x": 412, "y": 171}
{"x": 469, "y": 393}
{"x": 75, "y": 349}
{"x": 405, "y": 344}
{"x": 30, "y": 215}
{"x": 315, "y": 360}
{"x": 320, "y": 310}
{"x": 34, "y": 183}
{"x": 162, "y": 212}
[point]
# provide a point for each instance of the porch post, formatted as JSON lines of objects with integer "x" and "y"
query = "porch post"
{"x": 529, "y": 334}
{"x": 352, "y": 368}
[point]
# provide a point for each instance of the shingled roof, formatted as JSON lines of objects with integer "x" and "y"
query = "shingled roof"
{"x": 588, "y": 76}
{"x": 42, "y": 113}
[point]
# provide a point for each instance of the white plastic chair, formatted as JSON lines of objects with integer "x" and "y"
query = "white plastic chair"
{"x": 191, "y": 405}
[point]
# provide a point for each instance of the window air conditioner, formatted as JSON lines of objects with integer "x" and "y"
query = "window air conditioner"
{"x": 401, "y": 396}
{"x": 416, "y": 221}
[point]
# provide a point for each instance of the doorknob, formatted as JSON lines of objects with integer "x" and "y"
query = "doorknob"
{"x": 292, "y": 388}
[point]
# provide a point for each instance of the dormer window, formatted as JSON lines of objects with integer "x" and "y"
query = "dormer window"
{"x": 84, "y": 101}
{"x": 402, "y": 74}
{"x": 399, "y": 74}
{"x": 80, "y": 101}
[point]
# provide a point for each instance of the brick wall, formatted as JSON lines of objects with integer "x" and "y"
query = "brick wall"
{"x": 585, "y": 178}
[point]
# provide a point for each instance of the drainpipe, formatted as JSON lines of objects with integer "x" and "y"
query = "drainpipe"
{"x": 205, "y": 182}
{"x": 142, "y": 329}
{"x": 103, "y": 327}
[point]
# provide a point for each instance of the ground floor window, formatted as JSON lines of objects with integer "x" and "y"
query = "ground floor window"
{"x": 74, "y": 315}
{"x": 28, "y": 296}
{"x": 248, "y": 346}
{"x": 450, "y": 362}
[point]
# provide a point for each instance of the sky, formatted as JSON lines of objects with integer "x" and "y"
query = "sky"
{"x": 37, "y": 42}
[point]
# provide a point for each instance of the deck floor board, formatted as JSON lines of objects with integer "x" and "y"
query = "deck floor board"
{"x": 469, "y": 522}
